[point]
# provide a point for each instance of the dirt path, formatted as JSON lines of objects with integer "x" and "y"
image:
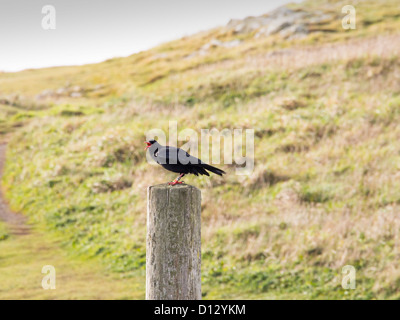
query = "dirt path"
{"x": 29, "y": 248}
{"x": 15, "y": 222}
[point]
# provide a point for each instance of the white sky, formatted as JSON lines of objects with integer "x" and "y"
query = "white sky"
{"x": 90, "y": 31}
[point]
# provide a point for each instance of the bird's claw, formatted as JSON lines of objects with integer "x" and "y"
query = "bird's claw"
{"x": 172, "y": 183}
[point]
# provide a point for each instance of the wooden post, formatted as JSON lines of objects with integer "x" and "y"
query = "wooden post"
{"x": 173, "y": 255}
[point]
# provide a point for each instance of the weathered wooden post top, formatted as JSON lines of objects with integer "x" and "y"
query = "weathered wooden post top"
{"x": 173, "y": 255}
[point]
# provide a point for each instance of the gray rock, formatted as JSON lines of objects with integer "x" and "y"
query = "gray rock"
{"x": 231, "y": 44}
{"x": 61, "y": 91}
{"x": 76, "y": 89}
{"x": 296, "y": 31}
{"x": 249, "y": 24}
{"x": 281, "y": 12}
{"x": 320, "y": 18}
{"x": 276, "y": 26}
{"x": 76, "y": 95}
{"x": 215, "y": 43}
{"x": 288, "y": 23}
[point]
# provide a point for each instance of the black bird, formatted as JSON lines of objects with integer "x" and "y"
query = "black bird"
{"x": 179, "y": 161}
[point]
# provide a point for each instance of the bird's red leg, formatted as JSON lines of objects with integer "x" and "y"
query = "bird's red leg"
{"x": 176, "y": 181}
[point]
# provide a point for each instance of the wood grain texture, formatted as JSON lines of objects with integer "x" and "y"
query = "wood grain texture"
{"x": 173, "y": 257}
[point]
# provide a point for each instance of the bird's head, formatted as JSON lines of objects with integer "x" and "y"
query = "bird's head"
{"x": 149, "y": 143}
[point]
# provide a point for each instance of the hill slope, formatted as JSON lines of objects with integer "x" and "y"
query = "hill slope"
{"x": 325, "y": 106}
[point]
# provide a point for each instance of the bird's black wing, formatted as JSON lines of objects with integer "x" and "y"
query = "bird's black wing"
{"x": 172, "y": 155}
{"x": 175, "y": 156}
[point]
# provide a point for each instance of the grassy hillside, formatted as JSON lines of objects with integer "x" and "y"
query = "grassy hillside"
{"x": 325, "y": 191}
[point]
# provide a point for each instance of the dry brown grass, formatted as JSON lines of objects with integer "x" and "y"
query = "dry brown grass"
{"x": 385, "y": 46}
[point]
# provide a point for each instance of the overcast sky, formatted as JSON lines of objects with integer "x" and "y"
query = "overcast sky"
{"x": 95, "y": 30}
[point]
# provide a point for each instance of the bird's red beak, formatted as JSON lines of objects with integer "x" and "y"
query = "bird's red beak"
{"x": 148, "y": 145}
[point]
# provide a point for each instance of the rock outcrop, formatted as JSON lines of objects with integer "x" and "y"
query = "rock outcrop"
{"x": 291, "y": 24}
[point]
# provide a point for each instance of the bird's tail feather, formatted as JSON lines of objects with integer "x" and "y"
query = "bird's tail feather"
{"x": 212, "y": 169}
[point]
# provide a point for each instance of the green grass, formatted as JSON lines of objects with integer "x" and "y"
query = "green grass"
{"x": 23, "y": 257}
{"x": 324, "y": 192}
{"x": 4, "y": 234}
